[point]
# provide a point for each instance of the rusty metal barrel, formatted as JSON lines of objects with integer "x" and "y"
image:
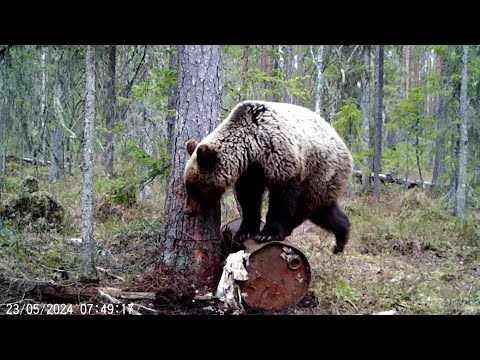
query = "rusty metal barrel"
{"x": 278, "y": 272}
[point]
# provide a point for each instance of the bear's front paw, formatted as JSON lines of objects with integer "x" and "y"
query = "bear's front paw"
{"x": 247, "y": 230}
{"x": 336, "y": 249}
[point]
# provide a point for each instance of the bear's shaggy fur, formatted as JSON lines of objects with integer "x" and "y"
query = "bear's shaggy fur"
{"x": 285, "y": 148}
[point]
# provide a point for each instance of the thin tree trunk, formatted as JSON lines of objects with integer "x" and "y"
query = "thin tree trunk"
{"x": 3, "y": 127}
{"x": 417, "y": 151}
{"x": 462, "y": 159}
{"x": 111, "y": 107}
{"x": 407, "y": 69}
{"x": 377, "y": 157}
{"x": 441, "y": 115}
{"x": 88, "y": 271}
{"x": 266, "y": 65}
{"x": 22, "y": 150}
{"x": 191, "y": 245}
{"x": 299, "y": 66}
{"x": 246, "y": 59}
{"x": 288, "y": 97}
{"x": 318, "y": 60}
{"x": 365, "y": 106}
{"x": 43, "y": 107}
{"x": 57, "y": 163}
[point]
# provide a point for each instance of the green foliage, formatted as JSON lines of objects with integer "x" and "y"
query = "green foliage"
{"x": 348, "y": 123}
{"x": 345, "y": 292}
{"x": 401, "y": 158}
{"x": 138, "y": 168}
{"x": 155, "y": 89}
{"x": 155, "y": 166}
{"x": 408, "y": 117}
{"x": 10, "y": 184}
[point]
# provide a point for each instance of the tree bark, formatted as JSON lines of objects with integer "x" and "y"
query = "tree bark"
{"x": 462, "y": 159}
{"x": 191, "y": 246}
{"x": 88, "y": 271}
{"x": 111, "y": 107}
{"x": 365, "y": 106}
{"x": 377, "y": 157}
{"x": 172, "y": 99}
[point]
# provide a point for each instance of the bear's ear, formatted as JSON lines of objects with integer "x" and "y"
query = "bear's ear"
{"x": 191, "y": 145}
{"x": 206, "y": 156}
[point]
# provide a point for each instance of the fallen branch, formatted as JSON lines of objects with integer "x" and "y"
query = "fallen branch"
{"x": 115, "y": 301}
{"x": 142, "y": 309}
{"x": 109, "y": 273}
{"x": 132, "y": 295}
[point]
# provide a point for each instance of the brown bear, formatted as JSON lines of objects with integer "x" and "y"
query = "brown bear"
{"x": 287, "y": 149}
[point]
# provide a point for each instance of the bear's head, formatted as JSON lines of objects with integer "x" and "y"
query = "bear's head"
{"x": 203, "y": 184}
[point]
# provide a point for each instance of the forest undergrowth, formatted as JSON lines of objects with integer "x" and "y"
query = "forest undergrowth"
{"x": 407, "y": 254}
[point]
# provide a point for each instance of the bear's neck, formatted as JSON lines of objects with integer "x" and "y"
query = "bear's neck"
{"x": 243, "y": 163}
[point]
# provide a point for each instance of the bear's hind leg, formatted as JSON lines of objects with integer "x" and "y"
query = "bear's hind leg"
{"x": 249, "y": 190}
{"x": 333, "y": 219}
{"x": 282, "y": 207}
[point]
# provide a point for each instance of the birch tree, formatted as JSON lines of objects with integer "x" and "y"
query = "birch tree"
{"x": 365, "y": 106}
{"x": 377, "y": 156}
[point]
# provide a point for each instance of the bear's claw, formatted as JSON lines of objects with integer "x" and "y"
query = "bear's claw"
{"x": 241, "y": 237}
{"x": 268, "y": 238}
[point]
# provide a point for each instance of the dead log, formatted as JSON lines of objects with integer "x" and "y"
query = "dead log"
{"x": 73, "y": 292}
{"x": 12, "y": 158}
{"x": 389, "y": 178}
{"x": 67, "y": 291}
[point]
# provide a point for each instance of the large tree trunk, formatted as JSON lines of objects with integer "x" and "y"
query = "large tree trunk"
{"x": 377, "y": 157}
{"x": 365, "y": 106}
{"x": 111, "y": 107}
{"x": 191, "y": 246}
{"x": 462, "y": 159}
{"x": 88, "y": 271}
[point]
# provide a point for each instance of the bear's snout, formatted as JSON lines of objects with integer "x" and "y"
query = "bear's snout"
{"x": 189, "y": 212}
{"x": 192, "y": 207}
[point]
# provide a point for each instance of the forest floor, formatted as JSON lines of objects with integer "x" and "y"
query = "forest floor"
{"x": 406, "y": 255}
